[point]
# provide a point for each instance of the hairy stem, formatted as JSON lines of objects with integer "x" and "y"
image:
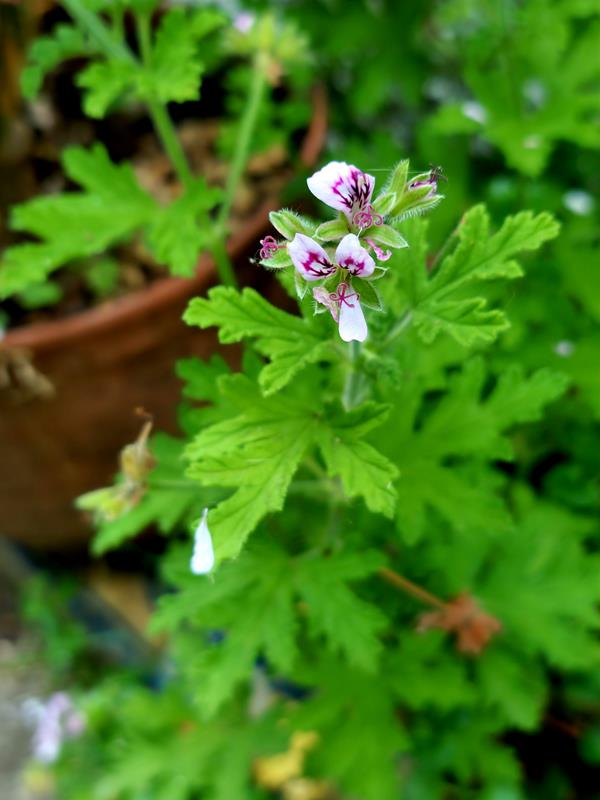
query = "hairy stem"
{"x": 244, "y": 137}
{"x": 402, "y": 583}
{"x": 160, "y": 117}
{"x": 351, "y": 389}
{"x": 222, "y": 260}
{"x": 93, "y": 24}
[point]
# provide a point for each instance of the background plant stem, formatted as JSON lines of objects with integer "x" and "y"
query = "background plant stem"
{"x": 92, "y": 23}
{"x": 244, "y": 137}
{"x": 402, "y": 583}
{"x": 160, "y": 117}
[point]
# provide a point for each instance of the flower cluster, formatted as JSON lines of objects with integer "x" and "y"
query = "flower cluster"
{"x": 342, "y": 278}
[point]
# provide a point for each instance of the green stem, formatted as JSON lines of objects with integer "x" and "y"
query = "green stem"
{"x": 402, "y": 583}
{"x": 160, "y": 118}
{"x": 244, "y": 137}
{"x": 222, "y": 261}
{"x": 350, "y": 394}
{"x": 398, "y": 329}
{"x": 93, "y": 24}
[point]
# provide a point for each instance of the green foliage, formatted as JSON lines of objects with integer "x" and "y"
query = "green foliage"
{"x": 533, "y": 72}
{"x": 267, "y": 581}
{"x": 291, "y": 343}
{"x": 111, "y": 208}
{"x": 442, "y": 301}
{"x": 47, "y": 52}
{"x": 74, "y": 225}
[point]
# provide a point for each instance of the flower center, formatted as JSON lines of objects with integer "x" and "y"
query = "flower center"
{"x": 341, "y": 295}
{"x": 366, "y": 217}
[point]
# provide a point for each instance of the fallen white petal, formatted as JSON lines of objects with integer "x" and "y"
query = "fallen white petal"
{"x": 203, "y": 556}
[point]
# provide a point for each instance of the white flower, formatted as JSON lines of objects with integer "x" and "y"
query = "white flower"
{"x": 475, "y": 111}
{"x": 579, "y": 202}
{"x": 314, "y": 264}
{"x": 203, "y": 555}
{"x": 343, "y": 187}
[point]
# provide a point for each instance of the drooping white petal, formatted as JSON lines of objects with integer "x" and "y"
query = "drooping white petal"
{"x": 353, "y": 326}
{"x": 342, "y": 186}
{"x": 327, "y": 299}
{"x": 351, "y": 256}
{"x": 309, "y": 258}
{"x": 203, "y": 556}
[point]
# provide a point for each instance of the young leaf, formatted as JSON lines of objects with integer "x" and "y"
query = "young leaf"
{"x": 176, "y": 235}
{"x": 350, "y": 625}
{"x": 176, "y": 65}
{"x": 47, "y": 52}
{"x": 364, "y": 471}
{"x": 442, "y": 302}
{"x": 105, "y": 82}
{"x": 290, "y": 342}
{"x": 256, "y": 453}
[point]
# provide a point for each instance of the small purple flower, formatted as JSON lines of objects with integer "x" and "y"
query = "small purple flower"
{"x": 55, "y": 721}
{"x": 244, "y": 21}
{"x": 313, "y": 262}
{"x": 346, "y": 188}
{"x": 345, "y": 309}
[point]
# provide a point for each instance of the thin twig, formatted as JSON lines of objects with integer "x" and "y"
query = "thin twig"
{"x": 402, "y": 583}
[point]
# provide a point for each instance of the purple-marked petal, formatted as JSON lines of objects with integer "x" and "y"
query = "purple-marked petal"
{"x": 327, "y": 299}
{"x": 351, "y": 256}
{"x": 309, "y": 258}
{"x": 342, "y": 186}
{"x": 203, "y": 556}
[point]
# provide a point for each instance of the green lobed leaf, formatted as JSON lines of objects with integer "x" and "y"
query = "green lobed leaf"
{"x": 105, "y": 82}
{"x": 176, "y": 236}
{"x": 47, "y": 52}
{"x": 75, "y": 224}
{"x": 290, "y": 342}
{"x": 442, "y": 301}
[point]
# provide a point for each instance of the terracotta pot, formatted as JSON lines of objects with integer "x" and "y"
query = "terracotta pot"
{"x": 103, "y": 363}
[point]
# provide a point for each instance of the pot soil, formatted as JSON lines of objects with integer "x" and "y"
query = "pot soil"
{"x": 69, "y": 387}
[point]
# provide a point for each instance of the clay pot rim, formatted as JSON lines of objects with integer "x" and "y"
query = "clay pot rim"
{"x": 43, "y": 336}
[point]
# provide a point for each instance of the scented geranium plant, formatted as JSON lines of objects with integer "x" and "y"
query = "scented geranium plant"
{"x": 366, "y": 599}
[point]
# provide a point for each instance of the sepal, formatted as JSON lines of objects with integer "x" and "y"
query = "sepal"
{"x": 369, "y": 295}
{"x": 280, "y": 260}
{"x": 288, "y": 223}
{"x": 386, "y": 235}
{"x": 333, "y": 230}
{"x": 385, "y": 203}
